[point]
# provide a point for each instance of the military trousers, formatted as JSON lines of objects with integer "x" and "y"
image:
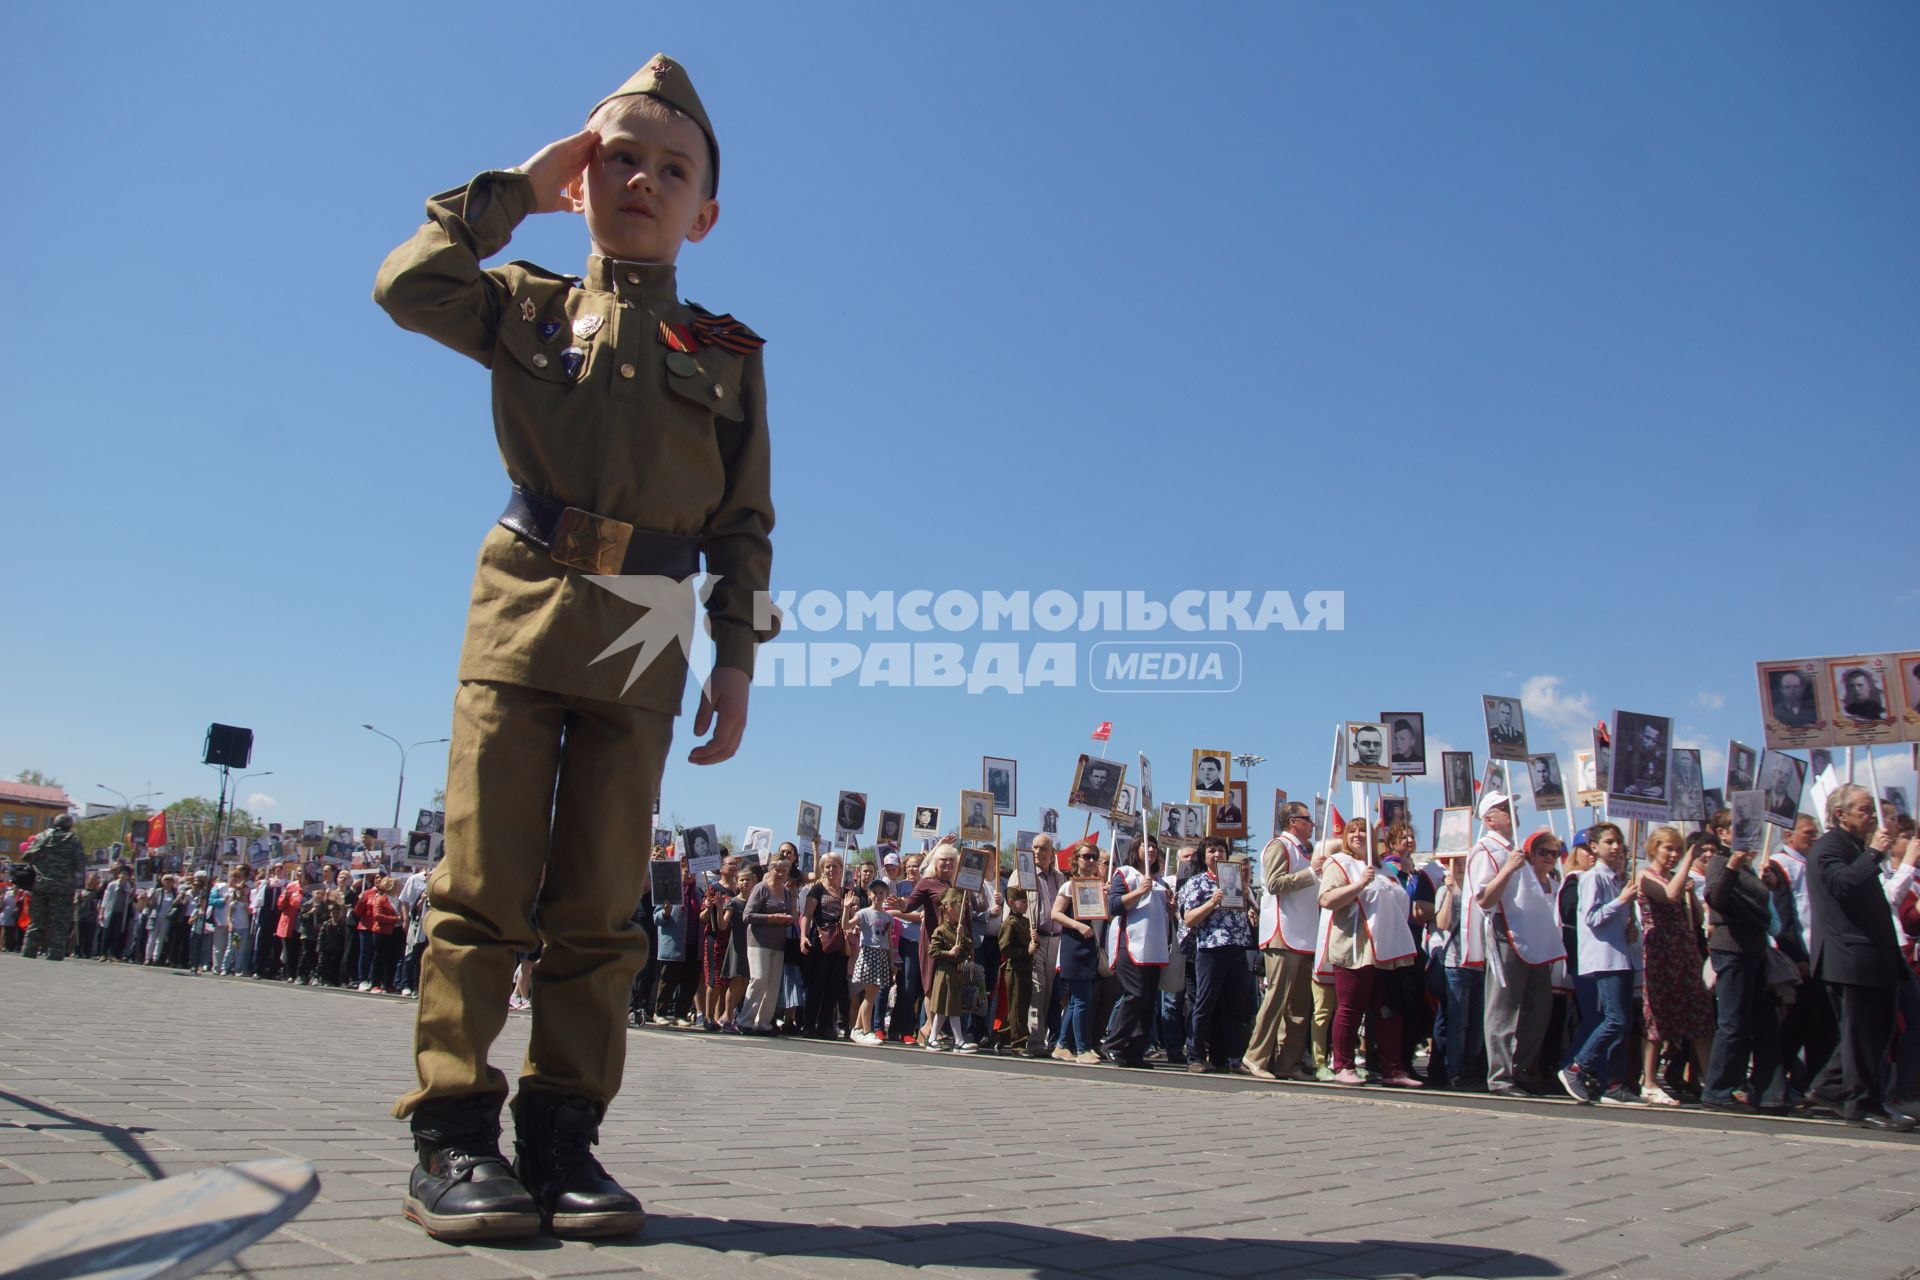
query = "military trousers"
{"x": 51, "y": 926}
{"x": 549, "y": 816}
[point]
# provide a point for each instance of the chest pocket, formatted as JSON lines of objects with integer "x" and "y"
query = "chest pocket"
{"x": 541, "y": 360}
{"x": 714, "y": 384}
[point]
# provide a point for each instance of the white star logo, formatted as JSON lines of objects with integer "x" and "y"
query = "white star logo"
{"x": 671, "y": 605}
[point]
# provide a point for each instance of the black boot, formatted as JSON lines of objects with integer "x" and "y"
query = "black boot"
{"x": 462, "y": 1188}
{"x": 554, "y": 1136}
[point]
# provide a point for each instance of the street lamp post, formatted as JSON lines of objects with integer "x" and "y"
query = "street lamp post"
{"x": 401, "y": 790}
{"x": 1246, "y": 761}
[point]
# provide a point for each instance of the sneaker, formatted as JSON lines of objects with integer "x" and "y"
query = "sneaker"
{"x": 1576, "y": 1087}
{"x": 967, "y": 1046}
{"x": 1323, "y": 1075}
{"x": 1402, "y": 1080}
{"x": 1063, "y": 1054}
{"x": 1301, "y": 1071}
{"x": 683, "y": 1022}
{"x": 1087, "y": 1059}
{"x": 1659, "y": 1097}
{"x": 1196, "y": 1067}
{"x": 1621, "y": 1096}
{"x": 1348, "y": 1076}
{"x": 365, "y": 986}
{"x": 933, "y": 1046}
{"x": 662, "y": 1020}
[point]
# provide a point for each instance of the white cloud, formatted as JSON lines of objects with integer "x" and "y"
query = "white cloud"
{"x": 1544, "y": 703}
{"x": 261, "y": 800}
{"x": 1710, "y": 701}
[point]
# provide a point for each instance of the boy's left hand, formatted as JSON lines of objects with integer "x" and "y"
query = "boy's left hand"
{"x": 723, "y": 708}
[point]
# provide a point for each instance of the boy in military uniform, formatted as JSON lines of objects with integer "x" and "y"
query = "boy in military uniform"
{"x": 633, "y": 429}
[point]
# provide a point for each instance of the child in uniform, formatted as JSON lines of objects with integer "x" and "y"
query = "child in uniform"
{"x": 633, "y": 429}
{"x": 1016, "y": 969}
{"x": 952, "y": 945}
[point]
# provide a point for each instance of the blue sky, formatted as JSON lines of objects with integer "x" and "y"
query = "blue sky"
{"x": 1574, "y": 344}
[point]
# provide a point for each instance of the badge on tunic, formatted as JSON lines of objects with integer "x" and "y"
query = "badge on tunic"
{"x": 572, "y": 360}
{"x": 549, "y": 330}
{"x": 679, "y": 362}
{"x": 527, "y": 310}
{"x": 677, "y": 337}
{"x": 728, "y": 334}
{"x": 586, "y": 326}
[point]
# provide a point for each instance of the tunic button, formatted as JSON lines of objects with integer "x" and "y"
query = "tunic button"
{"x": 719, "y": 392}
{"x": 539, "y": 359}
{"x": 633, "y": 277}
{"x": 626, "y": 371}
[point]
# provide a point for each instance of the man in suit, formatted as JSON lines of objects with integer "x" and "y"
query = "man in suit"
{"x": 1793, "y": 703}
{"x": 1856, "y": 953}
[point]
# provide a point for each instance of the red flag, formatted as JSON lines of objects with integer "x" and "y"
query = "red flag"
{"x": 1339, "y": 823}
{"x": 1104, "y": 732}
{"x": 157, "y": 830}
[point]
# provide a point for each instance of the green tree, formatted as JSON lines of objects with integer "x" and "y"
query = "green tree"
{"x": 35, "y": 778}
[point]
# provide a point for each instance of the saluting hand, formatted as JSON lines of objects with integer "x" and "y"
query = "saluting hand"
{"x": 555, "y": 171}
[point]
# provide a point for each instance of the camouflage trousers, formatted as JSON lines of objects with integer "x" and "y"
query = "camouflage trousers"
{"x": 52, "y": 926}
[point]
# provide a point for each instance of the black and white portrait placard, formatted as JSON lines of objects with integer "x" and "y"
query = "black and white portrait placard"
{"x": 1642, "y": 745}
{"x": 926, "y": 820}
{"x": 1096, "y": 784}
{"x": 1793, "y": 709}
{"x": 852, "y": 811}
{"x": 1000, "y": 778}
{"x": 1366, "y": 748}
{"x": 1211, "y": 770}
{"x": 1686, "y": 789}
{"x": 1743, "y": 764}
{"x": 1506, "y": 727}
{"x": 1406, "y": 743}
{"x": 1861, "y": 689}
{"x": 976, "y": 815}
{"x": 1456, "y": 779}
{"x": 1782, "y": 777}
{"x": 1543, "y": 777}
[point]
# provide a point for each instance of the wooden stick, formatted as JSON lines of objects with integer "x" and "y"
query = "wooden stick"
{"x": 1333, "y": 772}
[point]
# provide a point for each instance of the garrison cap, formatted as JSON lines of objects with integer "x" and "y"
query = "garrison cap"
{"x": 667, "y": 80}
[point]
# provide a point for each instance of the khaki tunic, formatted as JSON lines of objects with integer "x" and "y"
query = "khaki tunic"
{"x": 626, "y": 438}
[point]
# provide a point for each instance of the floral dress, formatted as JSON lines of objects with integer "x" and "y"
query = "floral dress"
{"x": 1677, "y": 1004}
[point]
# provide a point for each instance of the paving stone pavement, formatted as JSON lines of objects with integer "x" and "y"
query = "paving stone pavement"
{"x": 811, "y": 1160}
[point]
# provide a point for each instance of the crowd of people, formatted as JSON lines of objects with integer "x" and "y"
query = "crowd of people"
{"x": 325, "y": 926}
{"x": 1696, "y": 973}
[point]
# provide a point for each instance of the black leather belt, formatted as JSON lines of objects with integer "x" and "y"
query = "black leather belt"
{"x": 598, "y": 544}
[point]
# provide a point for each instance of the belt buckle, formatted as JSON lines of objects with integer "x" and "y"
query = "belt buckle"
{"x": 590, "y": 543}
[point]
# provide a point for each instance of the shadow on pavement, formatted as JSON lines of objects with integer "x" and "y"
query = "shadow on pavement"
{"x": 1027, "y": 1250}
{"x": 124, "y": 1141}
